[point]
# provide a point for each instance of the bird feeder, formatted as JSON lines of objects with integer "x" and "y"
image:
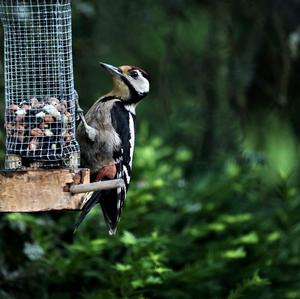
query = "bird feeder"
{"x": 39, "y": 85}
{"x": 42, "y": 154}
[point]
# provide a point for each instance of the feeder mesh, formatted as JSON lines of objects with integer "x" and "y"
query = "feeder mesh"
{"x": 39, "y": 76}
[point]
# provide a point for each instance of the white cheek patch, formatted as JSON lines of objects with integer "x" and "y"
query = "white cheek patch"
{"x": 141, "y": 84}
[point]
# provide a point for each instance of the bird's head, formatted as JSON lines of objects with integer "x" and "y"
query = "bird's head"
{"x": 131, "y": 83}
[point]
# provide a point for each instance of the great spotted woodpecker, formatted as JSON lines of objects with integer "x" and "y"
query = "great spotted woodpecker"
{"x": 106, "y": 136}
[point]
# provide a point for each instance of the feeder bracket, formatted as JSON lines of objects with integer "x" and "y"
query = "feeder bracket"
{"x": 97, "y": 186}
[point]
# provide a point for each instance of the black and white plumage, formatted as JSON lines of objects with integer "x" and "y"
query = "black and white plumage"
{"x": 106, "y": 136}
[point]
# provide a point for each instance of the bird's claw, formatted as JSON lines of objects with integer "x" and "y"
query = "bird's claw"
{"x": 79, "y": 111}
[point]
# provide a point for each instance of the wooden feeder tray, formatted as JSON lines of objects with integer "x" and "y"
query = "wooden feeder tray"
{"x": 47, "y": 190}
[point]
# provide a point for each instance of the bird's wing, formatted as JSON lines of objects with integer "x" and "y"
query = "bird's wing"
{"x": 113, "y": 200}
{"x": 123, "y": 122}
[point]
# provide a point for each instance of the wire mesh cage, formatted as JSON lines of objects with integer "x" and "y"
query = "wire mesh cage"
{"x": 39, "y": 85}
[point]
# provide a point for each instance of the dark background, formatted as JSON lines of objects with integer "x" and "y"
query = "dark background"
{"x": 214, "y": 206}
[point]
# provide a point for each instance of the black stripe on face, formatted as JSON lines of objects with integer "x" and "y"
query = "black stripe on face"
{"x": 109, "y": 98}
{"x": 135, "y": 97}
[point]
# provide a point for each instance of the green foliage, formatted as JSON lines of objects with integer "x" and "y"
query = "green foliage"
{"x": 253, "y": 282}
{"x": 225, "y": 235}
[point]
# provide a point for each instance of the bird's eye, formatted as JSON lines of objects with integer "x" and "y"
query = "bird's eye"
{"x": 134, "y": 74}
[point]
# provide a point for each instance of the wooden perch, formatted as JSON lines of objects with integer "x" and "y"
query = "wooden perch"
{"x": 41, "y": 190}
{"x": 105, "y": 185}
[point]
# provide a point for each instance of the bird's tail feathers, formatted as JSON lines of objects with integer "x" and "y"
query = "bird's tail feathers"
{"x": 111, "y": 225}
{"x": 90, "y": 200}
{"x": 112, "y": 209}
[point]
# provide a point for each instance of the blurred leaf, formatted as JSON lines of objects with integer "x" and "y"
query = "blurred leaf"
{"x": 128, "y": 238}
{"x": 250, "y": 238}
{"x": 235, "y": 253}
{"x": 254, "y": 281}
{"x": 33, "y": 251}
{"x": 122, "y": 267}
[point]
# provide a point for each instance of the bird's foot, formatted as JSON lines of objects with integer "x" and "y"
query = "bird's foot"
{"x": 79, "y": 111}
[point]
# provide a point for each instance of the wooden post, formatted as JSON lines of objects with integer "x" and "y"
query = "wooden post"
{"x": 41, "y": 190}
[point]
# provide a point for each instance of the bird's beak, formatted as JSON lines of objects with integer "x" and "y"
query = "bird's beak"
{"x": 112, "y": 69}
